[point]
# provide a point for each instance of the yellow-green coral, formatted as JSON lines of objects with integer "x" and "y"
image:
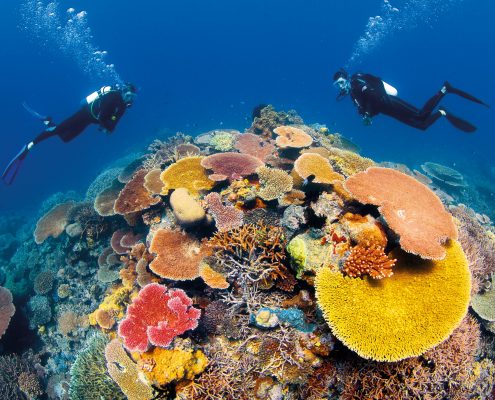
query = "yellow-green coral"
{"x": 349, "y": 163}
{"x": 163, "y": 366}
{"x": 125, "y": 373}
{"x": 402, "y": 316}
{"x": 223, "y": 141}
{"x": 274, "y": 183}
{"x": 115, "y": 303}
{"x": 484, "y": 304}
{"x": 186, "y": 173}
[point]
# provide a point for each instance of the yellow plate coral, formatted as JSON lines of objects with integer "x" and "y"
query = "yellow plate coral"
{"x": 402, "y": 316}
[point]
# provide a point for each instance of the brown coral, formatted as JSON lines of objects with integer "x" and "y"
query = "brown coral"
{"x": 274, "y": 183}
{"x": 7, "y": 309}
{"x": 368, "y": 258}
{"x": 231, "y": 166}
{"x": 152, "y": 181}
{"x": 291, "y": 137}
{"x": 105, "y": 201}
{"x": 410, "y": 208}
{"x": 134, "y": 197}
{"x": 178, "y": 256}
{"x": 53, "y": 223}
{"x": 212, "y": 278}
{"x": 314, "y": 165}
{"x": 186, "y": 173}
{"x": 363, "y": 228}
{"x": 254, "y": 145}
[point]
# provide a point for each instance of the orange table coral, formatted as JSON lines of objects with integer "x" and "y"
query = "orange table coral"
{"x": 134, "y": 197}
{"x": 291, "y": 137}
{"x": 312, "y": 164}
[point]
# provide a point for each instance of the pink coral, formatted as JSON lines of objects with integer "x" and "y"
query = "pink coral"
{"x": 156, "y": 317}
{"x": 7, "y": 309}
{"x": 226, "y": 217}
{"x": 254, "y": 145}
{"x": 230, "y": 166}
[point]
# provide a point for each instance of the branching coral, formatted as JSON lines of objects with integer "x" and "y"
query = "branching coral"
{"x": 410, "y": 208}
{"x": 18, "y": 377}
{"x": 177, "y": 255}
{"x": 7, "y": 309}
{"x": 134, "y": 196}
{"x": 156, "y": 316}
{"x": 226, "y": 217}
{"x": 231, "y": 166}
{"x": 53, "y": 223}
{"x": 369, "y": 258}
{"x": 314, "y": 165}
{"x": 186, "y": 173}
{"x": 402, "y": 316}
{"x": 274, "y": 183}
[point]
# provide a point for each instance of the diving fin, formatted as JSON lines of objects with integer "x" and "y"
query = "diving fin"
{"x": 47, "y": 121}
{"x": 458, "y": 122}
{"x": 14, "y": 166}
{"x": 459, "y": 92}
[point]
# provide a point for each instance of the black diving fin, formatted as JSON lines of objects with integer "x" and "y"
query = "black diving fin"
{"x": 459, "y": 123}
{"x": 14, "y": 166}
{"x": 459, "y": 92}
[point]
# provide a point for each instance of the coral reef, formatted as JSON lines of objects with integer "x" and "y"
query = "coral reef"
{"x": 230, "y": 166}
{"x": 134, "y": 196}
{"x": 188, "y": 173}
{"x": 7, "y": 309}
{"x": 53, "y": 223}
{"x": 254, "y": 145}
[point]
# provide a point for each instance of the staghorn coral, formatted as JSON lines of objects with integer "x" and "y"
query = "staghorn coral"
{"x": 314, "y": 165}
{"x": 226, "y": 217}
{"x": 230, "y": 166}
{"x": 186, "y": 173}
{"x": 88, "y": 375}
{"x": 104, "y": 202}
{"x": 187, "y": 210}
{"x": 274, "y": 183}
{"x": 53, "y": 223}
{"x": 178, "y": 255}
{"x": 369, "y": 258}
{"x": 125, "y": 373}
{"x": 402, "y": 316}
{"x": 255, "y": 146}
{"x": 134, "y": 196}
{"x": 167, "y": 366}
{"x": 292, "y": 137}
{"x": 410, "y": 208}
{"x": 156, "y": 316}
{"x": 7, "y": 309}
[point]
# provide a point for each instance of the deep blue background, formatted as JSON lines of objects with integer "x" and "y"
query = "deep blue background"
{"x": 204, "y": 64}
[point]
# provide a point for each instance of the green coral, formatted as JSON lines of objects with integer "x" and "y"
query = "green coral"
{"x": 89, "y": 379}
{"x": 223, "y": 141}
{"x": 484, "y": 304}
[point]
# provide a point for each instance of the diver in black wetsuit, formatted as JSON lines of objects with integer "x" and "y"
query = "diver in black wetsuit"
{"x": 372, "y": 96}
{"x": 104, "y": 107}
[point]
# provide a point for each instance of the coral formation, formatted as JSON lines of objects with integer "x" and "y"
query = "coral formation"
{"x": 318, "y": 168}
{"x": 226, "y": 217}
{"x": 415, "y": 309}
{"x": 292, "y": 137}
{"x": 105, "y": 200}
{"x": 446, "y": 175}
{"x": 274, "y": 183}
{"x": 484, "y": 303}
{"x": 369, "y": 258}
{"x": 156, "y": 316}
{"x": 152, "y": 181}
{"x": 230, "y": 166}
{"x": 411, "y": 209}
{"x": 134, "y": 196}
{"x": 187, "y": 210}
{"x": 188, "y": 173}
{"x": 7, "y": 309}
{"x": 53, "y": 223}
{"x": 254, "y": 145}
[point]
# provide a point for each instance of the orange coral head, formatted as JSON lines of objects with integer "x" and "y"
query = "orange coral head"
{"x": 410, "y": 208}
{"x": 178, "y": 256}
{"x": 288, "y": 136}
{"x": 369, "y": 258}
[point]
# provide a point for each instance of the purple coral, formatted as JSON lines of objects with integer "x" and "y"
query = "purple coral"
{"x": 7, "y": 309}
{"x": 230, "y": 166}
{"x": 226, "y": 217}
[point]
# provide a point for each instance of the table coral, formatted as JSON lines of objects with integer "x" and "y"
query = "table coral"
{"x": 484, "y": 303}
{"x": 231, "y": 166}
{"x": 212, "y": 278}
{"x": 53, "y": 223}
{"x": 105, "y": 201}
{"x": 226, "y": 217}
{"x": 152, "y": 181}
{"x": 254, "y": 145}
{"x": 369, "y": 258}
{"x": 292, "y": 137}
{"x": 7, "y": 309}
{"x": 401, "y": 316}
{"x": 178, "y": 255}
{"x": 410, "y": 209}
{"x": 188, "y": 173}
{"x": 446, "y": 175}
{"x": 134, "y": 196}
{"x": 274, "y": 183}
{"x": 156, "y": 316}
{"x": 314, "y": 165}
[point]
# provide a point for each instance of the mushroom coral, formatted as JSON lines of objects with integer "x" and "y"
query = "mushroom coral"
{"x": 312, "y": 164}
{"x": 401, "y": 316}
{"x": 186, "y": 173}
{"x": 231, "y": 166}
{"x": 53, "y": 223}
{"x": 134, "y": 197}
{"x": 410, "y": 209}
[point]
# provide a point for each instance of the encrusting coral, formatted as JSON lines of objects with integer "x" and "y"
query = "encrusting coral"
{"x": 414, "y": 310}
{"x": 410, "y": 208}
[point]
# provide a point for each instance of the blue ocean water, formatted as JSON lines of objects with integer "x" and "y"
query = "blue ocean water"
{"x": 203, "y": 65}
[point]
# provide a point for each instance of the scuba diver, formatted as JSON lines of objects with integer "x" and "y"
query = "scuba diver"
{"x": 373, "y": 96}
{"x": 104, "y": 107}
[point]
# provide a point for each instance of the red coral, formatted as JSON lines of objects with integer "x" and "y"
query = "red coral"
{"x": 156, "y": 317}
{"x": 230, "y": 166}
{"x": 7, "y": 309}
{"x": 226, "y": 217}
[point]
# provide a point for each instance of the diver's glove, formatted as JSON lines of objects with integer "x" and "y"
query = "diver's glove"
{"x": 367, "y": 121}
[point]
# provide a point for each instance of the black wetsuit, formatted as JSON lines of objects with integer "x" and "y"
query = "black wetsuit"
{"x": 105, "y": 111}
{"x": 369, "y": 94}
